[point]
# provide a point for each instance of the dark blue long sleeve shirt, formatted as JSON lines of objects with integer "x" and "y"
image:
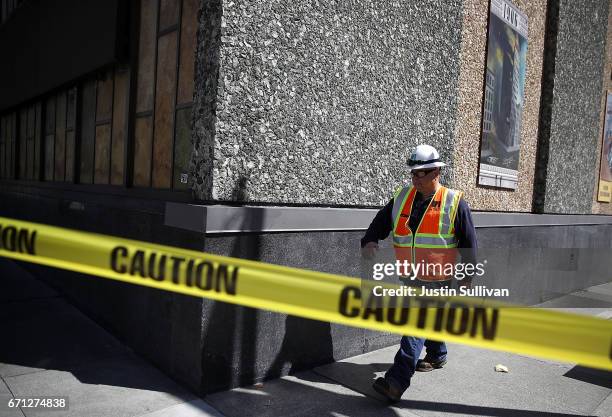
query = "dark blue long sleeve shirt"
{"x": 382, "y": 225}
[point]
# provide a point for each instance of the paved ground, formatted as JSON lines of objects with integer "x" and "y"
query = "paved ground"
{"x": 50, "y": 348}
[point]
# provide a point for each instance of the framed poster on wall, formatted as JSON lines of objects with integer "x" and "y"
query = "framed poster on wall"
{"x": 503, "y": 103}
{"x": 604, "y": 192}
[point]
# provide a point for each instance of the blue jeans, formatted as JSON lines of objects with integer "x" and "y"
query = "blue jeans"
{"x": 405, "y": 361}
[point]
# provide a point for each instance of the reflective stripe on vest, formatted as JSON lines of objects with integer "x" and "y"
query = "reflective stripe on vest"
{"x": 447, "y": 221}
{"x": 421, "y": 241}
{"x": 399, "y": 200}
{"x": 441, "y": 236}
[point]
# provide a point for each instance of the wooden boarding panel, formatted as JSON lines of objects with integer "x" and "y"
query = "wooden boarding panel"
{"x": 142, "y": 152}
{"x": 189, "y": 30}
{"x": 146, "y": 55}
{"x": 164, "y": 111}
{"x": 60, "y": 137}
{"x": 104, "y": 105}
{"x": 49, "y": 156}
{"x": 70, "y": 146}
{"x": 120, "y": 113}
{"x": 88, "y": 131}
{"x": 23, "y": 130}
{"x": 30, "y": 146}
{"x": 102, "y": 163}
{"x": 38, "y": 135}
{"x": 168, "y": 14}
{"x": 182, "y": 149}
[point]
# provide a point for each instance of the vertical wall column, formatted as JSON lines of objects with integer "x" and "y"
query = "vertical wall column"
{"x": 602, "y": 207}
{"x": 570, "y": 121}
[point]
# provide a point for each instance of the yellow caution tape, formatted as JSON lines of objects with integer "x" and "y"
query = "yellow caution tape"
{"x": 315, "y": 295}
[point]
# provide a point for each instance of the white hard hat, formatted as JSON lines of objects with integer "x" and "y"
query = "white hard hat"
{"x": 423, "y": 157}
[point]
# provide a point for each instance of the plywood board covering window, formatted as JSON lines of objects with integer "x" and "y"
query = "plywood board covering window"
{"x": 124, "y": 125}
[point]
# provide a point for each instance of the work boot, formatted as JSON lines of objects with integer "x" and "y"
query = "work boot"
{"x": 428, "y": 365}
{"x": 382, "y": 386}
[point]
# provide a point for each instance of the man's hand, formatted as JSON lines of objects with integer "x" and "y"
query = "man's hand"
{"x": 369, "y": 250}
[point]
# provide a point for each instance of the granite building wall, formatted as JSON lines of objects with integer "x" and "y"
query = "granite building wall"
{"x": 571, "y": 142}
{"x": 598, "y": 207}
{"x": 320, "y": 102}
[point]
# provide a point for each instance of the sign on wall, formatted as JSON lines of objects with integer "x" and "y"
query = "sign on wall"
{"x": 604, "y": 193}
{"x": 503, "y": 98}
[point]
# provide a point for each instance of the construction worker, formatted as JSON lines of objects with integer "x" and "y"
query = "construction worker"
{"x": 429, "y": 222}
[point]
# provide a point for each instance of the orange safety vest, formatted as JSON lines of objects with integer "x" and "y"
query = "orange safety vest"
{"x": 434, "y": 243}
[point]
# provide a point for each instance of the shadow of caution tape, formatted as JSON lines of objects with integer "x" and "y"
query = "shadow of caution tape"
{"x": 333, "y": 298}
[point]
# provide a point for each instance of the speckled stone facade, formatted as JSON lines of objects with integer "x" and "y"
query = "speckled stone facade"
{"x": 320, "y": 102}
{"x": 470, "y": 96}
{"x": 205, "y": 98}
{"x": 603, "y": 208}
{"x": 575, "y": 114}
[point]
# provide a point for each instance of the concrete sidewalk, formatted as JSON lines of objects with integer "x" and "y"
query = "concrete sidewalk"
{"x": 49, "y": 348}
{"x": 466, "y": 386}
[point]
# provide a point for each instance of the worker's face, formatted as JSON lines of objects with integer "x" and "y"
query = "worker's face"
{"x": 425, "y": 180}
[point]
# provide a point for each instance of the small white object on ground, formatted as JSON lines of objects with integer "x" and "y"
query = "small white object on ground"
{"x": 501, "y": 368}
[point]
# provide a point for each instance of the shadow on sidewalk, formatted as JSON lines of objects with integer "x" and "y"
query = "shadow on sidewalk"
{"x": 308, "y": 393}
{"x": 453, "y": 408}
{"x": 591, "y": 376}
{"x": 367, "y": 373}
{"x": 42, "y": 331}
